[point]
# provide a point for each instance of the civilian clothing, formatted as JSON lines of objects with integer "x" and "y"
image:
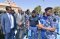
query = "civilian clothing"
{"x": 33, "y": 33}
{"x": 8, "y": 25}
{"x": 11, "y": 20}
{"x": 10, "y": 35}
{"x": 33, "y": 28}
{"x": 20, "y": 18}
{"x": 33, "y": 21}
{"x": 21, "y": 28}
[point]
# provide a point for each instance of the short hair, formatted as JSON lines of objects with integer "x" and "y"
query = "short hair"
{"x": 33, "y": 11}
{"x": 48, "y": 8}
{"x": 13, "y": 10}
{"x": 7, "y": 7}
{"x": 27, "y": 10}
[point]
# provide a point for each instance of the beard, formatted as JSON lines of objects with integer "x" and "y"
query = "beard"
{"x": 48, "y": 14}
{"x": 33, "y": 15}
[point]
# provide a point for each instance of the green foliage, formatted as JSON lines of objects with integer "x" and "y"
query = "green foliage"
{"x": 38, "y": 9}
{"x": 57, "y": 9}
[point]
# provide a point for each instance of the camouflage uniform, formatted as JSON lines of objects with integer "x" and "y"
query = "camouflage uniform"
{"x": 48, "y": 21}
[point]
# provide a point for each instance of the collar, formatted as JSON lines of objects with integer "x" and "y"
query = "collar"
{"x": 8, "y": 13}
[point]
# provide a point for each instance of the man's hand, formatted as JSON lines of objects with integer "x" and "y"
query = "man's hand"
{"x": 40, "y": 26}
{"x": 50, "y": 29}
{"x": 46, "y": 28}
{"x": 20, "y": 23}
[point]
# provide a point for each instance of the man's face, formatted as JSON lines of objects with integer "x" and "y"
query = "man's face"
{"x": 12, "y": 11}
{"x": 49, "y": 12}
{"x": 19, "y": 11}
{"x": 9, "y": 10}
{"x": 33, "y": 14}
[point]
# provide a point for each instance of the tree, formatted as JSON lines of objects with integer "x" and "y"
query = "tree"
{"x": 57, "y": 10}
{"x": 38, "y": 9}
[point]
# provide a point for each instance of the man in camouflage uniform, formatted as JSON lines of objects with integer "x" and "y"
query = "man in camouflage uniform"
{"x": 48, "y": 25}
{"x": 56, "y": 14}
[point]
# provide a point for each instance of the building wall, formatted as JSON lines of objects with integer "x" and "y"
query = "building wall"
{"x": 2, "y": 7}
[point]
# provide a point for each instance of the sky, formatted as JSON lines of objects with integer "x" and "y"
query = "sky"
{"x": 31, "y": 4}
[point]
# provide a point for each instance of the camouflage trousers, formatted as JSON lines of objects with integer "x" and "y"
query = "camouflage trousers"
{"x": 51, "y": 37}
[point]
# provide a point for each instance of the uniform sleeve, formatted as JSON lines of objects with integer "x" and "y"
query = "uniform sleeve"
{"x": 41, "y": 20}
{"x": 54, "y": 24}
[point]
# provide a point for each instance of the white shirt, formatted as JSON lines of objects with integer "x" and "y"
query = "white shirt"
{"x": 11, "y": 20}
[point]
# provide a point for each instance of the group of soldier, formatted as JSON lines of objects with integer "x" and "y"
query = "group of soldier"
{"x": 30, "y": 24}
